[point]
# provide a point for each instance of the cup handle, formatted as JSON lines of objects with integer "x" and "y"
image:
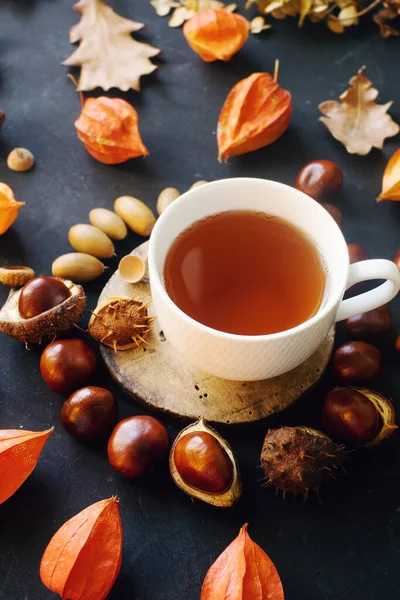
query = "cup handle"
{"x": 365, "y": 271}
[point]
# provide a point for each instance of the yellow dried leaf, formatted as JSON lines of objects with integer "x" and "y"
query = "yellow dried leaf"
{"x": 335, "y": 25}
{"x": 357, "y": 121}
{"x": 179, "y": 16}
{"x": 348, "y": 16}
{"x": 258, "y": 24}
{"x": 383, "y": 18}
{"x": 275, "y": 5}
{"x": 231, "y": 7}
{"x": 107, "y": 54}
{"x": 279, "y": 14}
{"x": 391, "y": 179}
{"x": 305, "y": 7}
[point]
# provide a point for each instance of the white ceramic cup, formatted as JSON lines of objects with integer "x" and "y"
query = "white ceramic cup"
{"x": 251, "y": 358}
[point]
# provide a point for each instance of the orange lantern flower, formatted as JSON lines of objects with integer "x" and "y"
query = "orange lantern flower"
{"x": 9, "y": 208}
{"x": 216, "y": 34}
{"x": 108, "y": 127}
{"x": 256, "y": 112}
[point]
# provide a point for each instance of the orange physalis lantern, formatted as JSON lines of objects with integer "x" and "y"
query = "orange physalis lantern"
{"x": 19, "y": 453}
{"x": 84, "y": 556}
{"x": 391, "y": 179}
{"x": 108, "y": 127}
{"x": 242, "y": 572}
{"x": 9, "y": 208}
{"x": 216, "y": 34}
{"x": 256, "y": 112}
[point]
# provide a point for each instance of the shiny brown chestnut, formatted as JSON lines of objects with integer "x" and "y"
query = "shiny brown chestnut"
{"x": 357, "y": 253}
{"x": 203, "y": 465}
{"x": 349, "y": 416}
{"x": 397, "y": 343}
{"x": 335, "y": 213}
{"x": 358, "y": 416}
{"x": 320, "y": 179}
{"x": 40, "y": 295}
{"x": 67, "y": 365}
{"x": 357, "y": 362}
{"x": 89, "y": 413}
{"x": 370, "y": 324}
{"x": 137, "y": 445}
{"x": 397, "y": 259}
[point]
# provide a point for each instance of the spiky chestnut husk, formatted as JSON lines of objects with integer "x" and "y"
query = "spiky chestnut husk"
{"x": 49, "y": 324}
{"x": 120, "y": 323}
{"x": 299, "y": 460}
{"x": 16, "y": 276}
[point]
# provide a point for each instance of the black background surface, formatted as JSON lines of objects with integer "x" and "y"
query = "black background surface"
{"x": 344, "y": 548}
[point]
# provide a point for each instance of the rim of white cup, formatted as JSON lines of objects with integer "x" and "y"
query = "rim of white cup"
{"x": 156, "y": 279}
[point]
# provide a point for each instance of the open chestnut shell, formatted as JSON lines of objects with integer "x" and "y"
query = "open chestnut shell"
{"x": 203, "y": 465}
{"x": 46, "y": 325}
{"x": 385, "y": 409}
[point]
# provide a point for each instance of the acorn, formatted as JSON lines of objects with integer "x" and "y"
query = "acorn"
{"x": 299, "y": 459}
{"x": 50, "y": 306}
{"x": 202, "y": 464}
{"x": 120, "y": 322}
{"x": 16, "y": 276}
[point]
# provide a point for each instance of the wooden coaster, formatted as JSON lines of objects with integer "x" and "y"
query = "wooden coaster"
{"x": 159, "y": 377}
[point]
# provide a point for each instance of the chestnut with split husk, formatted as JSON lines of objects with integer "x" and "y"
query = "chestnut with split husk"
{"x": 43, "y": 309}
{"x": 370, "y": 324}
{"x": 320, "y": 179}
{"x": 356, "y": 362}
{"x": 358, "y": 416}
{"x": 89, "y": 413}
{"x": 137, "y": 445}
{"x": 67, "y": 365}
{"x": 203, "y": 465}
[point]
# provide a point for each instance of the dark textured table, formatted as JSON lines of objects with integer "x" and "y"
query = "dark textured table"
{"x": 344, "y": 548}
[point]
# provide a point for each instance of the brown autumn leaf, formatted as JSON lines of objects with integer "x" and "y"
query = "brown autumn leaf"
{"x": 357, "y": 121}
{"x": 107, "y": 54}
{"x": 391, "y": 179}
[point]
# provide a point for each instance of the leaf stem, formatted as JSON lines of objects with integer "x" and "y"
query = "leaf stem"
{"x": 365, "y": 10}
{"x": 74, "y": 81}
{"x": 276, "y": 71}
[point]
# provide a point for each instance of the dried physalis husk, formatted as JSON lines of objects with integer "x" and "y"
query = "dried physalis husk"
{"x": 385, "y": 410}
{"x": 19, "y": 453}
{"x": 391, "y": 179}
{"x": 108, "y": 128}
{"x": 202, "y": 464}
{"x": 16, "y": 276}
{"x": 9, "y": 208}
{"x": 84, "y": 557}
{"x": 256, "y": 112}
{"x": 121, "y": 323}
{"x": 242, "y": 572}
{"x": 216, "y": 34}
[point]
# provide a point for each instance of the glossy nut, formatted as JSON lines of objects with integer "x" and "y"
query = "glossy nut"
{"x": 88, "y": 239}
{"x": 166, "y": 197}
{"x": 320, "y": 179}
{"x": 357, "y": 253}
{"x": 356, "y": 362}
{"x": 203, "y": 466}
{"x": 335, "y": 213}
{"x": 41, "y": 294}
{"x": 370, "y": 324}
{"x": 203, "y": 463}
{"x": 67, "y": 365}
{"x": 78, "y": 267}
{"x": 137, "y": 445}
{"x": 89, "y": 413}
{"x": 109, "y": 222}
{"x": 349, "y": 416}
{"x": 397, "y": 343}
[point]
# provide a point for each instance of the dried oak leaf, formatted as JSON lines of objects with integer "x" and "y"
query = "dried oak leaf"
{"x": 357, "y": 121}
{"x": 242, "y": 572}
{"x": 391, "y": 179}
{"x": 107, "y": 54}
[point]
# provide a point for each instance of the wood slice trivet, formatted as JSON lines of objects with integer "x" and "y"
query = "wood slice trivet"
{"x": 159, "y": 377}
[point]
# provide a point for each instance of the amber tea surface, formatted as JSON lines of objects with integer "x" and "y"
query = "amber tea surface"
{"x": 245, "y": 272}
